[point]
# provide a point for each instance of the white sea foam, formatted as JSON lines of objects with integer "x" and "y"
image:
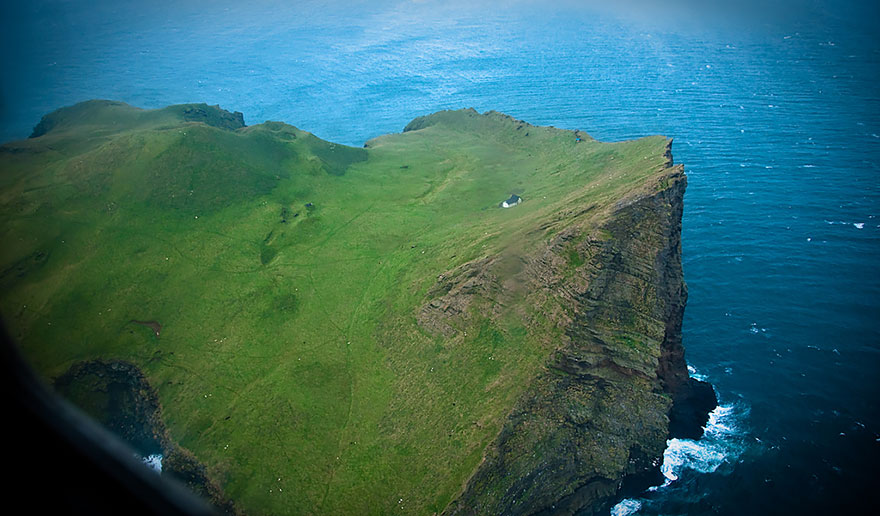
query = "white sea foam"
{"x": 719, "y": 445}
{"x": 693, "y": 373}
{"x": 154, "y": 461}
{"x": 722, "y": 443}
{"x": 684, "y": 454}
{"x": 858, "y": 225}
{"x": 626, "y": 507}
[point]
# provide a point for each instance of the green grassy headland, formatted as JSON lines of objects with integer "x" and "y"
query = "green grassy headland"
{"x": 288, "y": 276}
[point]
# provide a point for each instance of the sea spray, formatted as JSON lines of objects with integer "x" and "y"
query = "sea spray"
{"x": 154, "y": 462}
{"x": 722, "y": 443}
{"x": 626, "y": 507}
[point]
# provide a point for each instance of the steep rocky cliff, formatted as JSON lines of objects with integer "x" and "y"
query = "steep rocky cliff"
{"x": 618, "y": 387}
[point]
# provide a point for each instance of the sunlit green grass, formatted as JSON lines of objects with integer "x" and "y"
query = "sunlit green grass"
{"x": 290, "y": 359}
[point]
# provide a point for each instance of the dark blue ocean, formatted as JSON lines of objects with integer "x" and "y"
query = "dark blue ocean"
{"x": 775, "y": 112}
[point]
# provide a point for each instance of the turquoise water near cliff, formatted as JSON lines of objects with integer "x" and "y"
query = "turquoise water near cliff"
{"x": 775, "y": 114}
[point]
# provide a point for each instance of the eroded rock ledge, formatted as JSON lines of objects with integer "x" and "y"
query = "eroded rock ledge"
{"x": 598, "y": 417}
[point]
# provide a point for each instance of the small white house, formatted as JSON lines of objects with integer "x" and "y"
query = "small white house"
{"x": 513, "y": 201}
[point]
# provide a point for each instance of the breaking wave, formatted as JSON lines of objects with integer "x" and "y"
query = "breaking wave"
{"x": 154, "y": 462}
{"x": 723, "y": 441}
{"x": 694, "y": 374}
{"x": 626, "y": 507}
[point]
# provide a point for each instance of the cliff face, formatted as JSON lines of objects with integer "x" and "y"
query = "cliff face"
{"x": 117, "y": 395}
{"x": 618, "y": 387}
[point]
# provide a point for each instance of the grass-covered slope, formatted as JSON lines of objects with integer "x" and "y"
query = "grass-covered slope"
{"x": 343, "y": 330}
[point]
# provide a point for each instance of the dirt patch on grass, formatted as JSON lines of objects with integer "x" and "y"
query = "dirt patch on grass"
{"x": 451, "y": 297}
{"x": 153, "y": 325}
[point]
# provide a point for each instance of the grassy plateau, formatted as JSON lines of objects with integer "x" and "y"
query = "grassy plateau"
{"x": 287, "y": 279}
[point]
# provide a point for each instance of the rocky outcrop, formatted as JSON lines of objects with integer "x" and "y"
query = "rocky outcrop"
{"x": 213, "y": 116}
{"x": 92, "y": 113}
{"x": 617, "y": 388}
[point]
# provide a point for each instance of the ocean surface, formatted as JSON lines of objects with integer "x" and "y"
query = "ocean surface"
{"x": 775, "y": 112}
